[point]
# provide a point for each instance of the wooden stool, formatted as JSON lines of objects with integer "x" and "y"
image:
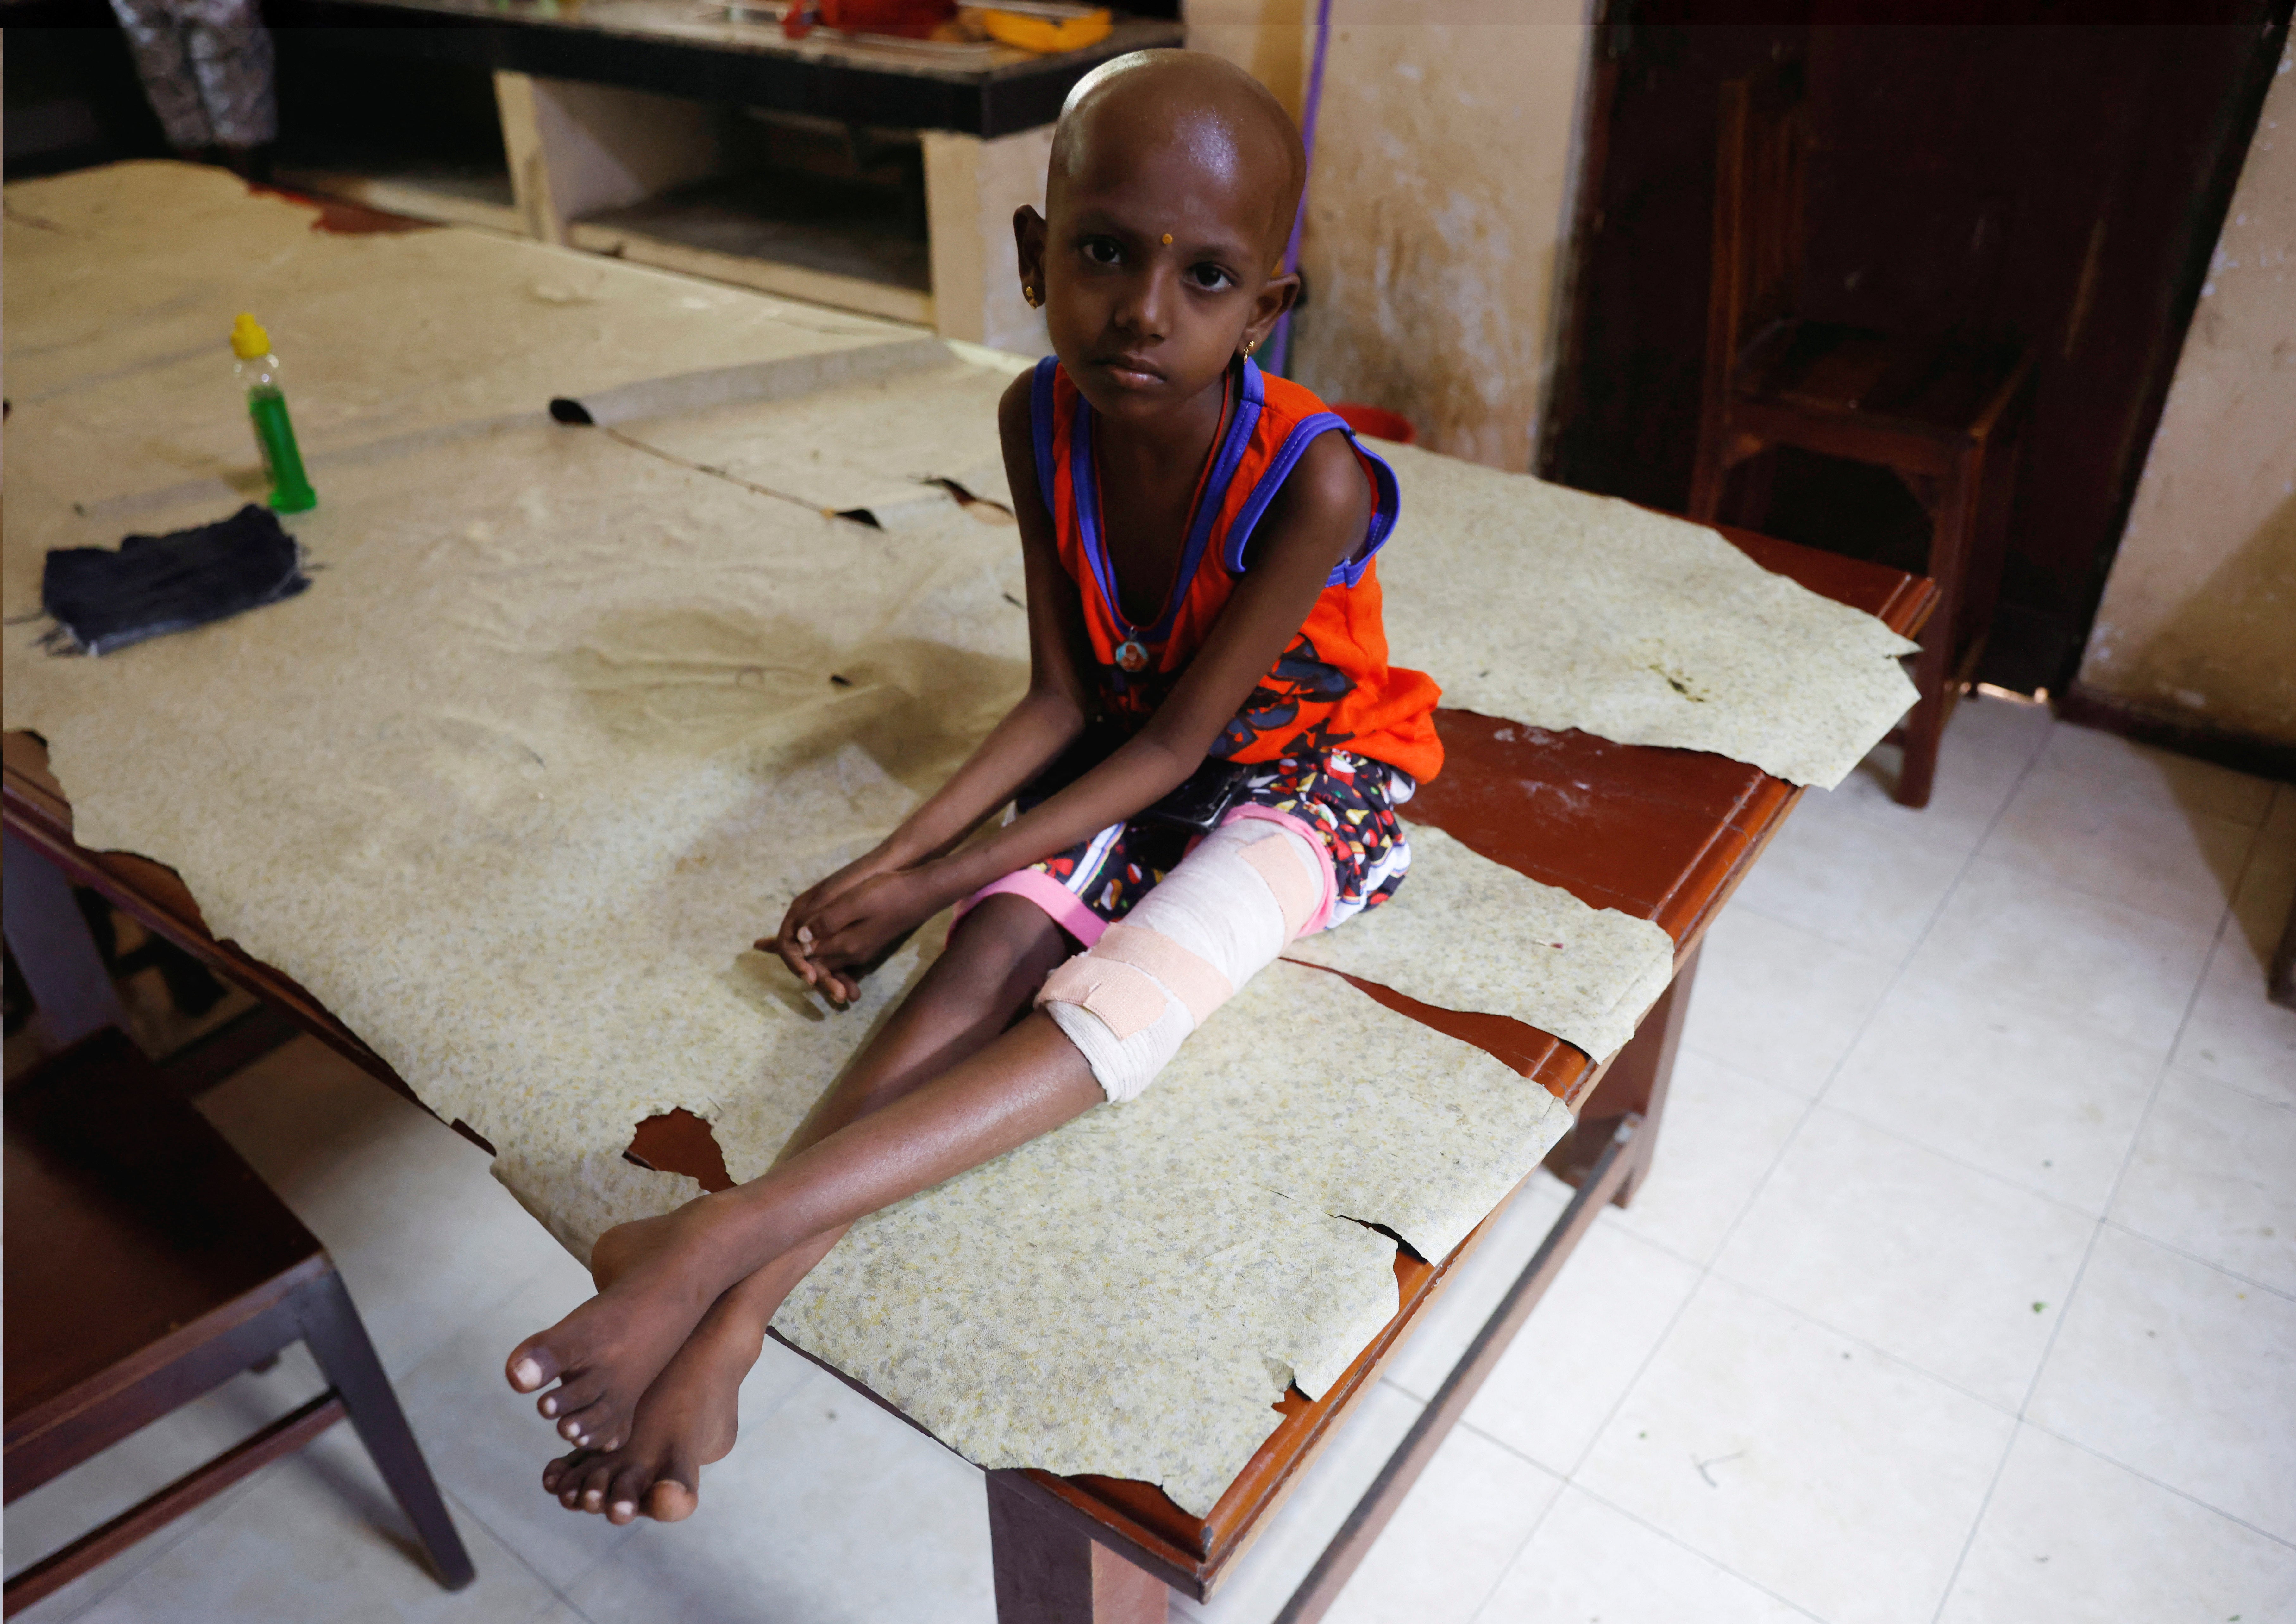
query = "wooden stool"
{"x": 1944, "y": 414}
{"x": 146, "y": 1264}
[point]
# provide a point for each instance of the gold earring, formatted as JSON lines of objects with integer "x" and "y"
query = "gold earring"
{"x": 1028, "y": 293}
{"x": 1248, "y": 348}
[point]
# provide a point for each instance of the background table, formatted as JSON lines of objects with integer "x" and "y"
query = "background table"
{"x": 693, "y": 49}
{"x": 619, "y": 133}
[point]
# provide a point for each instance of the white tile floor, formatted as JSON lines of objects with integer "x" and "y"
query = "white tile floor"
{"x": 1964, "y": 1290}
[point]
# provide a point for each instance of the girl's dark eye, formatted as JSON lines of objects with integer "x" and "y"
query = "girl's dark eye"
{"x": 1211, "y": 278}
{"x": 1102, "y": 250}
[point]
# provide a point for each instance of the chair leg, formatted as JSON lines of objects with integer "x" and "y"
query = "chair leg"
{"x": 53, "y": 947}
{"x": 338, "y": 1341}
{"x": 1951, "y": 540}
{"x": 1706, "y": 477}
{"x": 1994, "y": 502}
{"x": 1710, "y": 468}
{"x": 1756, "y": 476}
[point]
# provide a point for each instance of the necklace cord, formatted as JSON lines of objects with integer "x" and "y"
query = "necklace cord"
{"x": 1196, "y": 507}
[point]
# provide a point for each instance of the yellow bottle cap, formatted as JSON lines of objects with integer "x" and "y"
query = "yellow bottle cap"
{"x": 249, "y": 341}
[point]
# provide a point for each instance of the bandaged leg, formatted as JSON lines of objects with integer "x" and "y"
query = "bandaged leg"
{"x": 1208, "y": 927}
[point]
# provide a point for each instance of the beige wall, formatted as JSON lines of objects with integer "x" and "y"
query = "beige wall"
{"x": 2199, "y": 616}
{"x": 1439, "y": 203}
{"x": 1263, "y": 37}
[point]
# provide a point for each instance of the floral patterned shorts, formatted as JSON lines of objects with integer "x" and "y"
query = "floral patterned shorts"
{"x": 1345, "y": 802}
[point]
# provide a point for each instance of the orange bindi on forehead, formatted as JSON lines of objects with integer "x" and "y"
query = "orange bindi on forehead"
{"x": 1199, "y": 174}
{"x": 1174, "y": 125}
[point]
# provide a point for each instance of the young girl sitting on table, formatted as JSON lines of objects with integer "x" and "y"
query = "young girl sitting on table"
{"x": 1206, "y": 649}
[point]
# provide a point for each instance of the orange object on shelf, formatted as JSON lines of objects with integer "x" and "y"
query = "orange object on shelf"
{"x": 1045, "y": 30}
{"x": 885, "y": 15}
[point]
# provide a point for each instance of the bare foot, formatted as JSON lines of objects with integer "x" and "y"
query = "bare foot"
{"x": 686, "y": 1420}
{"x": 653, "y": 1288}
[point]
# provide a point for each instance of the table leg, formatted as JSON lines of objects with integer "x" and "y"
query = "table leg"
{"x": 1385, "y": 1497}
{"x": 971, "y": 186}
{"x": 1050, "y": 1571}
{"x": 53, "y": 947}
{"x": 576, "y": 148}
{"x": 2280, "y": 981}
{"x": 1635, "y": 1082}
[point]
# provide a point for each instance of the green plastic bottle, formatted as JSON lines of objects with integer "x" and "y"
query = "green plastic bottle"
{"x": 257, "y": 371}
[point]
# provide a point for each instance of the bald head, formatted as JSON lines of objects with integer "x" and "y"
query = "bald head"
{"x": 1227, "y": 125}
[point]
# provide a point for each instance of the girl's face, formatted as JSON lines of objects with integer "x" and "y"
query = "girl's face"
{"x": 1154, "y": 269}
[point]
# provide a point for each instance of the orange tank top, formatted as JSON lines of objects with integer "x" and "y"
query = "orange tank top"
{"x": 1332, "y": 688}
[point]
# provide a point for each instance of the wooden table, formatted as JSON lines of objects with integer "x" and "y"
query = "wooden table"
{"x": 1663, "y": 834}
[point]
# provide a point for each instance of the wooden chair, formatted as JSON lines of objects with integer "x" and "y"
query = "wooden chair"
{"x": 1943, "y": 413}
{"x": 146, "y": 1264}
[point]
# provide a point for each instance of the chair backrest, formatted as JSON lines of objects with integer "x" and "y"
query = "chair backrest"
{"x": 1759, "y": 165}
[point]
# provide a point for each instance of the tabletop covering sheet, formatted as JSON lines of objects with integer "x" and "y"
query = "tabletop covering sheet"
{"x": 570, "y": 713}
{"x": 1551, "y": 607}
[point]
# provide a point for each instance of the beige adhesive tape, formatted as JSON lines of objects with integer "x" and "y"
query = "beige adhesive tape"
{"x": 1298, "y": 892}
{"x": 1190, "y": 978}
{"x": 1125, "y": 998}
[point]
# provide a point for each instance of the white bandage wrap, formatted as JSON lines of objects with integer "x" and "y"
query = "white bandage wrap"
{"x": 1209, "y": 926}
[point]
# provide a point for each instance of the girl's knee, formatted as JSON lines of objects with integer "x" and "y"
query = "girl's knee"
{"x": 1215, "y": 921}
{"x": 1008, "y": 944}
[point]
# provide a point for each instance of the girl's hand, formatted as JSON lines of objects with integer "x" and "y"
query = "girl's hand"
{"x": 795, "y": 950}
{"x": 856, "y": 929}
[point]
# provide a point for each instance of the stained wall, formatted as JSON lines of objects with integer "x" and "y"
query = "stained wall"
{"x": 1439, "y": 205}
{"x": 2198, "y": 623}
{"x": 1266, "y": 37}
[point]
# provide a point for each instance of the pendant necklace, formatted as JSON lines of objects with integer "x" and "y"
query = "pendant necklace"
{"x": 1132, "y": 654}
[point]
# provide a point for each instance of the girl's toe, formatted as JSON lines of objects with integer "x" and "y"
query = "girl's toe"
{"x": 596, "y": 1481}
{"x": 676, "y": 1491}
{"x": 575, "y": 1393}
{"x": 530, "y": 1364}
{"x": 592, "y": 1428}
{"x": 602, "y": 1427}
{"x": 626, "y": 1493}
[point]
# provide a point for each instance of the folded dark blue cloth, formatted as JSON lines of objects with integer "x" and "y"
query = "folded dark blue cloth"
{"x": 102, "y": 600}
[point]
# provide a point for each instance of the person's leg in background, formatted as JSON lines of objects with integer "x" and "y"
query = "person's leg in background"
{"x": 163, "y": 62}
{"x": 208, "y": 68}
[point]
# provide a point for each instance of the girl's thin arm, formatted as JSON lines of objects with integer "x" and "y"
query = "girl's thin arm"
{"x": 1051, "y": 714}
{"x": 1031, "y": 735}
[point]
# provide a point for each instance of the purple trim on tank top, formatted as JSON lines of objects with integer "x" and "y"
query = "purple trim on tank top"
{"x": 1083, "y": 481}
{"x": 1386, "y": 500}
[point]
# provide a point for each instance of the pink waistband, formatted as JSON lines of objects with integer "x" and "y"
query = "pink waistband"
{"x": 1067, "y": 909}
